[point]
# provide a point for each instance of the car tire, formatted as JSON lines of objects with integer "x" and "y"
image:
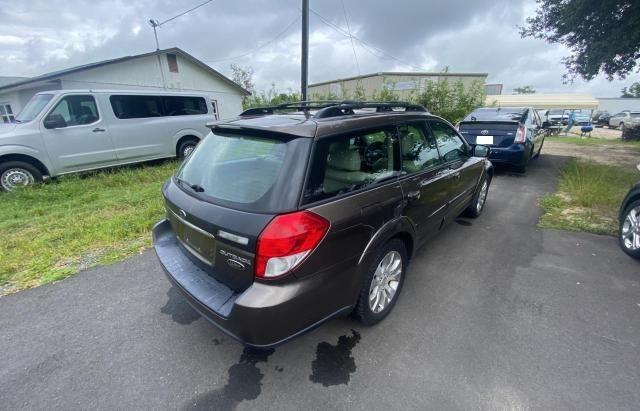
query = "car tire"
{"x": 626, "y": 227}
{"x": 373, "y": 304}
{"x": 18, "y": 173}
{"x": 479, "y": 200}
{"x": 186, "y": 148}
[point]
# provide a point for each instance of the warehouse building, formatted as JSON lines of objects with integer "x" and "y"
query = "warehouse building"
{"x": 403, "y": 83}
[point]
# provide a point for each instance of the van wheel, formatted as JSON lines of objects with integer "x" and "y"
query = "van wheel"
{"x": 383, "y": 283}
{"x": 186, "y": 148}
{"x": 477, "y": 205}
{"x": 15, "y": 174}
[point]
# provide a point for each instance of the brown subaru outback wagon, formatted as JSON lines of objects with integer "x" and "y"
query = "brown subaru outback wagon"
{"x": 288, "y": 216}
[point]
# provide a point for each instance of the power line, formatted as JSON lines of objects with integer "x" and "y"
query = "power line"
{"x": 263, "y": 45}
{"x": 185, "y": 12}
{"x": 371, "y": 49}
{"x": 353, "y": 47}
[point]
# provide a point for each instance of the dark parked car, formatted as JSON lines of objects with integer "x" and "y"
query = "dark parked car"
{"x": 601, "y": 118}
{"x": 278, "y": 222}
{"x": 515, "y": 134}
{"x": 629, "y": 217}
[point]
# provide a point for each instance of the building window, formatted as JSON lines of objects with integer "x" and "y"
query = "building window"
{"x": 172, "y": 60}
{"x": 6, "y": 114}
{"x": 214, "y": 106}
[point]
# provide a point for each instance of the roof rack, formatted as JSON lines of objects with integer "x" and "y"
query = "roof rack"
{"x": 333, "y": 108}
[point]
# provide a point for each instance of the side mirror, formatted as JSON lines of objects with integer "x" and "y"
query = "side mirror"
{"x": 546, "y": 124}
{"x": 54, "y": 121}
{"x": 481, "y": 151}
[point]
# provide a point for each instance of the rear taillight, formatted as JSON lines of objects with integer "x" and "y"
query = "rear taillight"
{"x": 286, "y": 241}
{"x": 521, "y": 135}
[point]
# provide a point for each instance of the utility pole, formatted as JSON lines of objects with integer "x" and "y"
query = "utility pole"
{"x": 305, "y": 50}
{"x": 154, "y": 24}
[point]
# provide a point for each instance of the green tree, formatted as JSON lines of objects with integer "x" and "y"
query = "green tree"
{"x": 271, "y": 97}
{"x": 524, "y": 90}
{"x": 451, "y": 101}
{"x": 602, "y": 35}
{"x": 244, "y": 77}
{"x": 633, "y": 91}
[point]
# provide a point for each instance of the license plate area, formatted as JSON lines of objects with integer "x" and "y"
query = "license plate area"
{"x": 484, "y": 140}
{"x": 197, "y": 241}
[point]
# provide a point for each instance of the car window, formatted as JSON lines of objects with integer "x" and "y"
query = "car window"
{"x": 254, "y": 163}
{"x": 349, "y": 162}
{"x": 76, "y": 110}
{"x": 449, "y": 143}
{"x": 418, "y": 149}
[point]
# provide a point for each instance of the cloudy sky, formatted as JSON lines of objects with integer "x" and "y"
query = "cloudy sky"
{"x": 408, "y": 35}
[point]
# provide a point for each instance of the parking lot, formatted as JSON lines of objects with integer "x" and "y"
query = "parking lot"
{"x": 495, "y": 313}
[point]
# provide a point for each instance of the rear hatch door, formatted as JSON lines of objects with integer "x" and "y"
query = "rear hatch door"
{"x": 226, "y": 193}
{"x": 491, "y": 133}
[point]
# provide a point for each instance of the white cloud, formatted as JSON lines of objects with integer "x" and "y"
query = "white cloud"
{"x": 37, "y": 37}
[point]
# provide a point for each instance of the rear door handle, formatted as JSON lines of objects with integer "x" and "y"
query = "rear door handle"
{"x": 456, "y": 175}
{"x": 413, "y": 195}
{"x": 98, "y": 130}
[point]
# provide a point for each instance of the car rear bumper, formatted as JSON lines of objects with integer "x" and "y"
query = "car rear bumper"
{"x": 515, "y": 154}
{"x": 263, "y": 315}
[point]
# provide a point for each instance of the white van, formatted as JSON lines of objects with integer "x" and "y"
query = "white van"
{"x": 67, "y": 131}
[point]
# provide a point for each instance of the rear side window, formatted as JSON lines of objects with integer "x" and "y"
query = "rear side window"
{"x": 76, "y": 110}
{"x": 418, "y": 149}
{"x": 236, "y": 169}
{"x": 449, "y": 143}
{"x": 185, "y": 106}
{"x": 127, "y": 106}
{"x": 349, "y": 162}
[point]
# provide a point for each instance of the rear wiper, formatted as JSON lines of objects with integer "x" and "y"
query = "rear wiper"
{"x": 195, "y": 187}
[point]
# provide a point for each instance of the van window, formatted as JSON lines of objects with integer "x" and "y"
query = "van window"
{"x": 76, "y": 110}
{"x": 33, "y": 107}
{"x": 127, "y": 106}
{"x": 349, "y": 162}
{"x": 184, "y": 106}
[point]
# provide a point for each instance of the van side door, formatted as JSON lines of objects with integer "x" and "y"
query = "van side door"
{"x": 139, "y": 127}
{"x": 425, "y": 182}
{"x": 76, "y": 134}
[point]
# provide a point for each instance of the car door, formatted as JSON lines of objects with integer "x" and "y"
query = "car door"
{"x": 614, "y": 121}
{"x": 76, "y": 134}
{"x": 139, "y": 127}
{"x": 463, "y": 169}
{"x": 426, "y": 184}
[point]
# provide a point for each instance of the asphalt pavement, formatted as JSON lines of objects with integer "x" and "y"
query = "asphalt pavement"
{"x": 495, "y": 314}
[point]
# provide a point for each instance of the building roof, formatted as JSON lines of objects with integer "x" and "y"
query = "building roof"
{"x": 401, "y": 73}
{"x": 544, "y": 101}
{"x": 175, "y": 50}
{"x": 4, "y": 80}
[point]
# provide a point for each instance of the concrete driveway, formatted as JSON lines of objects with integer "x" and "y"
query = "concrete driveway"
{"x": 494, "y": 314}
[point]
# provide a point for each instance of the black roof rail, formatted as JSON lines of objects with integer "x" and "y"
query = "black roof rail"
{"x": 333, "y": 108}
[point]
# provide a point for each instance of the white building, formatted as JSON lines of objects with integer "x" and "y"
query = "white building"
{"x": 169, "y": 69}
{"x": 617, "y": 104}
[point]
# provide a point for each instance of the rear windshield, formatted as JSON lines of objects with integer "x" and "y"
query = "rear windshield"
{"x": 243, "y": 171}
{"x": 498, "y": 114}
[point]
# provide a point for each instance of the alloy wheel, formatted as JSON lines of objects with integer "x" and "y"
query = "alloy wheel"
{"x": 631, "y": 229}
{"x": 482, "y": 196}
{"x": 187, "y": 151}
{"x": 385, "y": 282}
{"x": 16, "y": 177}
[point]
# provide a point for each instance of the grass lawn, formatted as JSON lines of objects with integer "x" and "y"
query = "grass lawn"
{"x": 594, "y": 141}
{"x": 53, "y": 230}
{"x": 588, "y": 197}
